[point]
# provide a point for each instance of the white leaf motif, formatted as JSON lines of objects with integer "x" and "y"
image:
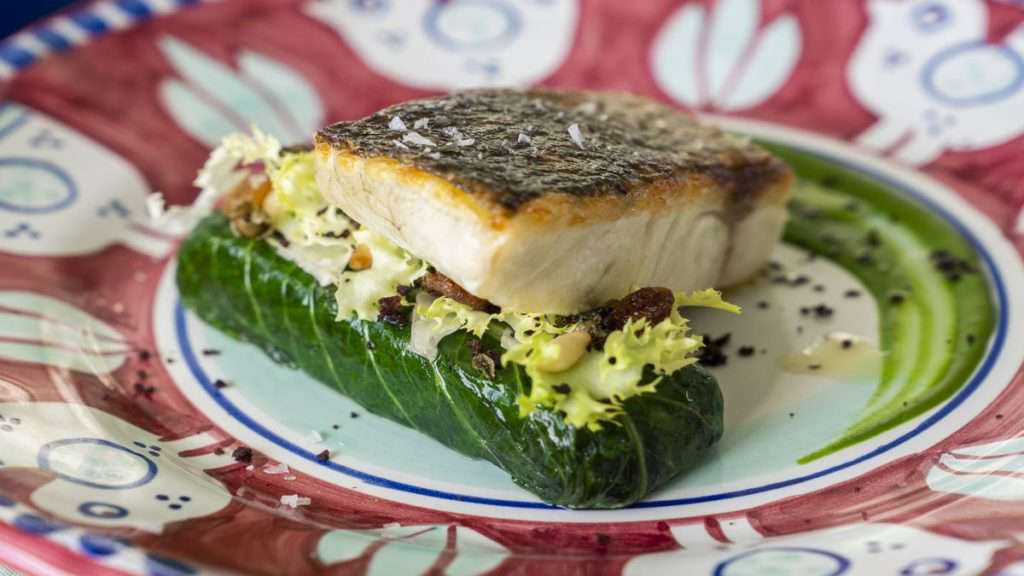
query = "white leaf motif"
{"x": 737, "y": 64}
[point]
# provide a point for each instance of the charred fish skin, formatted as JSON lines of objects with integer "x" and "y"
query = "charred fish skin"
{"x": 558, "y": 202}
{"x": 511, "y": 147}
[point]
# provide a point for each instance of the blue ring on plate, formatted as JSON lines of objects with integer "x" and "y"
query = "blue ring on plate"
{"x": 998, "y": 341}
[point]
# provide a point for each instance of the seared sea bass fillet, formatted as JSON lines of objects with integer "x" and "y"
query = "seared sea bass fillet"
{"x": 558, "y": 202}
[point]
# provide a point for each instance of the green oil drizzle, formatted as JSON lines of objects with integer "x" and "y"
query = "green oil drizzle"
{"x": 934, "y": 327}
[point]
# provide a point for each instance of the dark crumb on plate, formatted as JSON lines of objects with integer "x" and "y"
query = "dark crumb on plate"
{"x": 211, "y": 352}
{"x": 242, "y": 454}
{"x": 354, "y": 415}
{"x": 145, "y": 355}
{"x": 218, "y": 451}
{"x": 846, "y": 343}
{"x": 819, "y": 287}
{"x": 818, "y": 311}
{"x": 220, "y": 384}
{"x": 712, "y": 354}
{"x": 144, "y": 390}
{"x": 336, "y": 427}
{"x": 950, "y": 265}
{"x": 792, "y": 414}
{"x": 873, "y": 239}
{"x": 763, "y": 305}
{"x": 169, "y": 360}
{"x": 851, "y": 294}
{"x": 323, "y": 455}
{"x": 814, "y": 367}
{"x": 745, "y": 351}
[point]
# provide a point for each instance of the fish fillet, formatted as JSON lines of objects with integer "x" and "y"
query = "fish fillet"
{"x": 556, "y": 201}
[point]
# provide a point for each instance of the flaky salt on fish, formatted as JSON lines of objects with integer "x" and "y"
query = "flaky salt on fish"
{"x": 553, "y": 201}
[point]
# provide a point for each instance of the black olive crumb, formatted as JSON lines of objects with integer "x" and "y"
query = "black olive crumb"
{"x": 336, "y": 427}
{"x": 846, "y": 343}
{"x": 220, "y": 384}
{"x": 211, "y": 352}
{"x": 323, "y": 455}
{"x": 763, "y": 305}
{"x": 745, "y": 351}
{"x": 712, "y": 354}
{"x": 851, "y": 294}
{"x": 999, "y": 416}
{"x": 818, "y": 311}
{"x": 354, "y": 415}
{"x": 145, "y": 355}
{"x": 242, "y": 454}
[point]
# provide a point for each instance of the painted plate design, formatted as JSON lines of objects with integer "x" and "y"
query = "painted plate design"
{"x": 139, "y": 440}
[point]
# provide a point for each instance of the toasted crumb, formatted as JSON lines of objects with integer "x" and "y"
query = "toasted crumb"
{"x": 361, "y": 258}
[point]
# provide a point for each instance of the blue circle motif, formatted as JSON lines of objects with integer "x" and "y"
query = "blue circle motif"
{"x": 36, "y": 524}
{"x": 102, "y": 510}
{"x": 65, "y": 199}
{"x": 44, "y": 463}
{"x": 1005, "y": 89}
{"x": 929, "y": 566}
{"x": 842, "y": 564}
{"x": 508, "y": 14}
{"x": 99, "y": 546}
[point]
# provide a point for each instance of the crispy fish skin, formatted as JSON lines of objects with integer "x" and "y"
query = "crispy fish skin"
{"x": 497, "y": 192}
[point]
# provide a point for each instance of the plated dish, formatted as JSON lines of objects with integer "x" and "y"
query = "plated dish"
{"x": 211, "y": 397}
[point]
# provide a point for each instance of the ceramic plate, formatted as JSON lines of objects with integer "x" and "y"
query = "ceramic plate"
{"x": 123, "y": 452}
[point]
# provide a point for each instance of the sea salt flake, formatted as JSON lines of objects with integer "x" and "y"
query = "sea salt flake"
{"x": 417, "y": 139}
{"x": 576, "y": 134}
{"x": 399, "y": 145}
{"x": 315, "y": 437}
{"x": 523, "y": 139}
{"x": 279, "y": 468}
{"x": 391, "y": 530}
{"x": 396, "y": 124}
{"x": 421, "y": 123}
{"x": 465, "y": 142}
{"x": 294, "y": 500}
